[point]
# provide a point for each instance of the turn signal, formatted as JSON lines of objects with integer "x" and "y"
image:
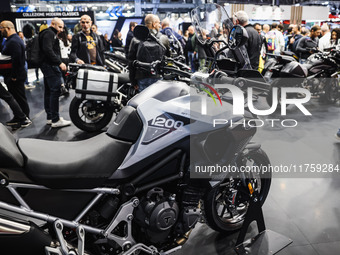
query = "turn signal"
{"x": 250, "y": 187}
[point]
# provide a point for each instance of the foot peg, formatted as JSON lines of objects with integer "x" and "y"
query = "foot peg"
{"x": 63, "y": 249}
{"x": 149, "y": 250}
{"x": 142, "y": 247}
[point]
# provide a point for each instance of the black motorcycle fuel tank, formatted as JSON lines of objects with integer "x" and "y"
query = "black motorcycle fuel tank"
{"x": 294, "y": 69}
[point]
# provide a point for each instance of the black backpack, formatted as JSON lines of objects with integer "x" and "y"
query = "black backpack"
{"x": 150, "y": 50}
{"x": 33, "y": 55}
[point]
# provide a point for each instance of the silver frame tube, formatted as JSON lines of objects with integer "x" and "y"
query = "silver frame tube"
{"x": 96, "y": 190}
{"x": 48, "y": 218}
{"x": 24, "y": 208}
{"x": 124, "y": 213}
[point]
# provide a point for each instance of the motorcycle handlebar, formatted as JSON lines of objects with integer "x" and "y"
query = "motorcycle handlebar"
{"x": 120, "y": 49}
{"x": 244, "y": 83}
{"x": 155, "y": 67}
{"x": 177, "y": 71}
{"x": 144, "y": 65}
{"x": 228, "y": 80}
{"x": 87, "y": 66}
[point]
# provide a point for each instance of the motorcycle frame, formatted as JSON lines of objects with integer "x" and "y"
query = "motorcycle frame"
{"x": 124, "y": 213}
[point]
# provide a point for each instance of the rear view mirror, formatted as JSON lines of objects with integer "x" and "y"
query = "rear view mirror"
{"x": 238, "y": 37}
{"x": 141, "y": 32}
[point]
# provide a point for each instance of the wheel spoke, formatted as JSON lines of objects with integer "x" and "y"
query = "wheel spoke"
{"x": 223, "y": 210}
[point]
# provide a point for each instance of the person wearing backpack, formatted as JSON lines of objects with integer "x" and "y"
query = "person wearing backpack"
{"x": 52, "y": 68}
{"x": 153, "y": 48}
{"x": 14, "y": 47}
{"x": 275, "y": 40}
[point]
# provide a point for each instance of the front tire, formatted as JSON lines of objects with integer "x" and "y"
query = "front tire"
{"x": 216, "y": 204}
{"x": 90, "y": 115}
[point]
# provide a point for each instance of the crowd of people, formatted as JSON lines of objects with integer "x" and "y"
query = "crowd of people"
{"x": 58, "y": 48}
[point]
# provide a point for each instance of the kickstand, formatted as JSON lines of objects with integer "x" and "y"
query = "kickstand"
{"x": 267, "y": 242}
{"x": 254, "y": 213}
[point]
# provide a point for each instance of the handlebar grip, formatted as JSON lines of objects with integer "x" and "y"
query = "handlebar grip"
{"x": 87, "y": 66}
{"x": 229, "y": 80}
{"x": 137, "y": 63}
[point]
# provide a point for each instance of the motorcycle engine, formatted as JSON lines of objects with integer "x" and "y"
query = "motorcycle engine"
{"x": 156, "y": 214}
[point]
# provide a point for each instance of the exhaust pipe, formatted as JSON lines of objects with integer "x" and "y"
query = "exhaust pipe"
{"x": 19, "y": 237}
{"x": 9, "y": 227}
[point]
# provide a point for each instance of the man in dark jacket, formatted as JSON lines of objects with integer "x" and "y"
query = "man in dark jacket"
{"x": 141, "y": 79}
{"x": 295, "y": 38}
{"x": 176, "y": 41}
{"x": 306, "y": 44}
{"x": 254, "y": 43}
{"x": 87, "y": 47}
{"x": 52, "y": 68}
{"x": 190, "y": 49}
{"x": 129, "y": 37}
{"x": 14, "y": 47}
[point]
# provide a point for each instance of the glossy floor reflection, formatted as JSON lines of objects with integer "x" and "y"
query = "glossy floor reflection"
{"x": 305, "y": 209}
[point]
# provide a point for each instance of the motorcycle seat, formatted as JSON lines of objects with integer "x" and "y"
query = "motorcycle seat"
{"x": 77, "y": 165}
{"x": 123, "y": 78}
{"x": 10, "y": 156}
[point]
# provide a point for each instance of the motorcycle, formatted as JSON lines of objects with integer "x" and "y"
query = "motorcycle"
{"x": 130, "y": 190}
{"x": 94, "y": 113}
{"x": 275, "y": 63}
{"x": 318, "y": 75}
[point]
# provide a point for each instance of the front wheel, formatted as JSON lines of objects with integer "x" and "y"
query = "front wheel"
{"x": 225, "y": 205}
{"x": 90, "y": 115}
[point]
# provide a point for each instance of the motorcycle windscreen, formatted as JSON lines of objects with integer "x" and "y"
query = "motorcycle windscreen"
{"x": 207, "y": 19}
{"x": 212, "y": 22}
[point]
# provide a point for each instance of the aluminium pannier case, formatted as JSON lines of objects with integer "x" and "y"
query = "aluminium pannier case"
{"x": 96, "y": 85}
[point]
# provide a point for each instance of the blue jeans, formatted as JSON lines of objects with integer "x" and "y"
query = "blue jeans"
{"x": 192, "y": 57}
{"x": 26, "y": 68}
{"x": 53, "y": 79}
{"x": 144, "y": 83}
